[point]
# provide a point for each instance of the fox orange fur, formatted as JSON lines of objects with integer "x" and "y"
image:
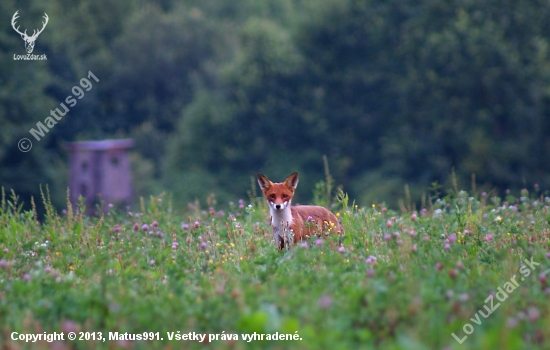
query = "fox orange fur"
{"x": 292, "y": 224}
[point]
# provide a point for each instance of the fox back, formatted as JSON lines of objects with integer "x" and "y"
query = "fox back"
{"x": 292, "y": 224}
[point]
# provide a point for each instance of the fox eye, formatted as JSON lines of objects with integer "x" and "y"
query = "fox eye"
{"x": 272, "y": 196}
{"x": 285, "y": 196}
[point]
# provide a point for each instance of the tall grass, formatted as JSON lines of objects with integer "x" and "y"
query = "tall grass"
{"x": 397, "y": 280}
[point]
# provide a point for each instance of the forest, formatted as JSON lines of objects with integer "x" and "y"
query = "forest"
{"x": 398, "y": 95}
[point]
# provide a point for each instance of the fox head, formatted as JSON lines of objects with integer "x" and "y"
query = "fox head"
{"x": 279, "y": 194}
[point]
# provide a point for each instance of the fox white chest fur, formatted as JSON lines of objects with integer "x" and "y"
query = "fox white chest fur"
{"x": 281, "y": 221}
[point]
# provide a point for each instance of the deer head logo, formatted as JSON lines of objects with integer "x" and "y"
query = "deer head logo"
{"x": 29, "y": 40}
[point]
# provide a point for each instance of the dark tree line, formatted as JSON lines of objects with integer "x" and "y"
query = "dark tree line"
{"x": 392, "y": 92}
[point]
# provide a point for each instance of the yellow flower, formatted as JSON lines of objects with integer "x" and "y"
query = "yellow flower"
{"x": 217, "y": 244}
{"x": 338, "y": 214}
{"x": 232, "y": 245}
{"x": 373, "y": 206}
{"x": 210, "y": 261}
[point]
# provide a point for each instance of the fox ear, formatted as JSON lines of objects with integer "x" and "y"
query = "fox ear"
{"x": 292, "y": 181}
{"x": 264, "y": 182}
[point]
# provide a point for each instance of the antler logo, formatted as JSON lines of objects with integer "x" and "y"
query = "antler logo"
{"x": 29, "y": 40}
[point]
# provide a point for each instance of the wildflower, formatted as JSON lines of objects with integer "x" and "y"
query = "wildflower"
{"x": 197, "y": 224}
{"x": 438, "y": 266}
{"x": 414, "y": 248}
{"x": 3, "y": 263}
{"x": 27, "y": 277}
{"x": 7, "y": 250}
{"x": 452, "y": 238}
{"x": 303, "y": 244}
{"x": 341, "y": 249}
{"x": 145, "y": 227}
{"x": 447, "y": 246}
{"x": 512, "y": 322}
{"x": 459, "y": 264}
{"x": 371, "y": 260}
{"x": 388, "y": 224}
{"x": 136, "y": 227}
{"x": 387, "y": 236}
{"x": 154, "y": 224}
{"x": 185, "y": 227}
{"x": 116, "y": 228}
{"x": 489, "y": 237}
{"x": 325, "y": 301}
{"x": 338, "y": 214}
{"x": 69, "y": 326}
{"x": 414, "y": 217}
{"x": 533, "y": 314}
{"x": 152, "y": 262}
{"x": 319, "y": 242}
{"x": 47, "y": 269}
{"x": 370, "y": 272}
{"x": 204, "y": 245}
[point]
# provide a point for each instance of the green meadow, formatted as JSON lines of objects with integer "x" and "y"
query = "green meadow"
{"x": 461, "y": 270}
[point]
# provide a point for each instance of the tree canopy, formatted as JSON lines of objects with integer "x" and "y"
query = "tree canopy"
{"x": 392, "y": 92}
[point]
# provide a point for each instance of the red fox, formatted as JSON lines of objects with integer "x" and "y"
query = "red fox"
{"x": 292, "y": 224}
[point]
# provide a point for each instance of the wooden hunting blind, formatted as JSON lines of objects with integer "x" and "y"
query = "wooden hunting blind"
{"x": 100, "y": 171}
